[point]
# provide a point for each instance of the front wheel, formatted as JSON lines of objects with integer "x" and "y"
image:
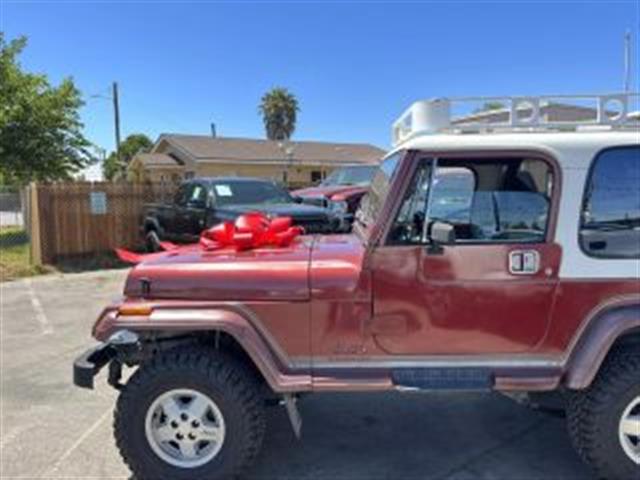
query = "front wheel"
{"x": 604, "y": 420}
{"x": 189, "y": 415}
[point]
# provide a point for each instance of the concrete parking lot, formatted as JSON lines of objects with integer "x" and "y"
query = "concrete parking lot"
{"x": 49, "y": 429}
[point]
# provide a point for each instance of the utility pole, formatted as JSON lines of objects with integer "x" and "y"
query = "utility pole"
{"x": 627, "y": 61}
{"x": 116, "y": 116}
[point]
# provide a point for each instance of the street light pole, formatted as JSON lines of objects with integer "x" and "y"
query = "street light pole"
{"x": 116, "y": 116}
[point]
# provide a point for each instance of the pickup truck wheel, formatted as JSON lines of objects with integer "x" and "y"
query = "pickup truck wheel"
{"x": 152, "y": 241}
{"x": 189, "y": 415}
{"x": 604, "y": 420}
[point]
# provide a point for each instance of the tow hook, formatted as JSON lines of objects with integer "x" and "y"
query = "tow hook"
{"x": 290, "y": 403}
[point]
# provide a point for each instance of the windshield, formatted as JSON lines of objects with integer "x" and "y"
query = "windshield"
{"x": 372, "y": 202}
{"x": 350, "y": 176}
{"x": 249, "y": 192}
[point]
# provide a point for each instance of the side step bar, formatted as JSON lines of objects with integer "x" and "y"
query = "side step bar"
{"x": 443, "y": 378}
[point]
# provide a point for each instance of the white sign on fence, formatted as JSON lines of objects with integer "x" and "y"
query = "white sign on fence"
{"x": 98, "y": 203}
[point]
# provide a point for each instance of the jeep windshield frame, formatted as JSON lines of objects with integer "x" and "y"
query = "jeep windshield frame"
{"x": 374, "y": 201}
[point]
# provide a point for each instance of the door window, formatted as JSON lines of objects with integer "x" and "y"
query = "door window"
{"x": 485, "y": 200}
{"x": 198, "y": 196}
{"x": 610, "y": 223}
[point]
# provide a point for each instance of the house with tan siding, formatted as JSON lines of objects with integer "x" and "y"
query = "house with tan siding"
{"x": 176, "y": 157}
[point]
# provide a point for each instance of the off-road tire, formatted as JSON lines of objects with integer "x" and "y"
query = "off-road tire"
{"x": 593, "y": 415}
{"x": 226, "y": 381}
{"x": 152, "y": 241}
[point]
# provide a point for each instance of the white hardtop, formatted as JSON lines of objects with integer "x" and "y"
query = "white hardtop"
{"x": 572, "y": 150}
{"x": 521, "y": 123}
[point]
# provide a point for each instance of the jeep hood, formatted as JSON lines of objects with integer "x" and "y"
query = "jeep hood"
{"x": 260, "y": 274}
{"x": 323, "y": 266}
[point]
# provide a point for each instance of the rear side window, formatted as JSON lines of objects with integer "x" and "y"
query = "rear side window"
{"x": 610, "y": 223}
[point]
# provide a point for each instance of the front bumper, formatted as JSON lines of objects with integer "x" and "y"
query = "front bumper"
{"x": 89, "y": 364}
{"x": 120, "y": 347}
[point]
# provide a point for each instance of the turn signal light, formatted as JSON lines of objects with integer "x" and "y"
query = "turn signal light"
{"x": 135, "y": 309}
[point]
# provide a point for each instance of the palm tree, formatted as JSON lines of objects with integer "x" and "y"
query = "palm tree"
{"x": 279, "y": 108}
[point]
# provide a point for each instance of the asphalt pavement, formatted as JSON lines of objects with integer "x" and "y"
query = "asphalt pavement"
{"x": 51, "y": 430}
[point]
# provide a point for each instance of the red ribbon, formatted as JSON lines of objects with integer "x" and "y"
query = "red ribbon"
{"x": 249, "y": 231}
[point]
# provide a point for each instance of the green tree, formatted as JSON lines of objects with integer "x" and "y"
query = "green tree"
{"x": 40, "y": 130}
{"x": 114, "y": 169}
{"x": 279, "y": 109}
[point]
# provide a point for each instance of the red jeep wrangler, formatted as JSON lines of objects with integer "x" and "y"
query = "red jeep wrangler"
{"x": 491, "y": 257}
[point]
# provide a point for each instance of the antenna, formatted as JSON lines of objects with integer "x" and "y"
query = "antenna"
{"x": 627, "y": 61}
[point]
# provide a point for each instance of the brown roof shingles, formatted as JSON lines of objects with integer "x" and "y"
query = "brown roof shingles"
{"x": 157, "y": 159}
{"x": 205, "y": 148}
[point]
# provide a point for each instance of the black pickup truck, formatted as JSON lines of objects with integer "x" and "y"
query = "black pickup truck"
{"x": 203, "y": 202}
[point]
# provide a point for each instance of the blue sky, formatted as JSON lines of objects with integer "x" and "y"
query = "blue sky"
{"x": 354, "y": 66}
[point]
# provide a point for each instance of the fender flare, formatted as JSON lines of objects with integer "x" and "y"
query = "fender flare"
{"x": 593, "y": 345}
{"x": 233, "y": 319}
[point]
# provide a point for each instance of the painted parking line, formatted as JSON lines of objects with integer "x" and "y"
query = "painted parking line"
{"x": 51, "y": 472}
{"x": 45, "y": 326}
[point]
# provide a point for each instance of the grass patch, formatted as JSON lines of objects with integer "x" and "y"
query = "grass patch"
{"x": 15, "y": 258}
{"x": 15, "y": 261}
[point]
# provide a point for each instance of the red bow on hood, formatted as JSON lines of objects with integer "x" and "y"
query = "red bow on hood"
{"x": 249, "y": 231}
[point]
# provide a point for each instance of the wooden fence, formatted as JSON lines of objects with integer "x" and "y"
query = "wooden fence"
{"x": 73, "y": 219}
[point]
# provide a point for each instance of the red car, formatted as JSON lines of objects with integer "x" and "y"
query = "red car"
{"x": 341, "y": 191}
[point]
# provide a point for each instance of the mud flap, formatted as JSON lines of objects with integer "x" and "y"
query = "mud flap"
{"x": 294, "y": 414}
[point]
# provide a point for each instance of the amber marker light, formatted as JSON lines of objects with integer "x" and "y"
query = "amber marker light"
{"x": 135, "y": 309}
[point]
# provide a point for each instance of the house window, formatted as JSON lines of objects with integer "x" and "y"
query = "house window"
{"x": 189, "y": 175}
{"x": 316, "y": 176}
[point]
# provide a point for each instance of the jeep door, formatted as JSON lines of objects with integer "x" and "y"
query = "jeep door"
{"x": 490, "y": 288}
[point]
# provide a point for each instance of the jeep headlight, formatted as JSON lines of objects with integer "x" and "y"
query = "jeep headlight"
{"x": 339, "y": 207}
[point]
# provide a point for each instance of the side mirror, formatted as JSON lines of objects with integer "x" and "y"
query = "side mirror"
{"x": 441, "y": 234}
{"x": 297, "y": 199}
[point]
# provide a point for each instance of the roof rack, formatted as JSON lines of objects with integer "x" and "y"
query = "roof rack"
{"x": 516, "y": 113}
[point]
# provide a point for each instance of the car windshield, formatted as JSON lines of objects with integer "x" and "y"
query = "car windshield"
{"x": 247, "y": 192}
{"x": 374, "y": 200}
{"x": 350, "y": 176}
